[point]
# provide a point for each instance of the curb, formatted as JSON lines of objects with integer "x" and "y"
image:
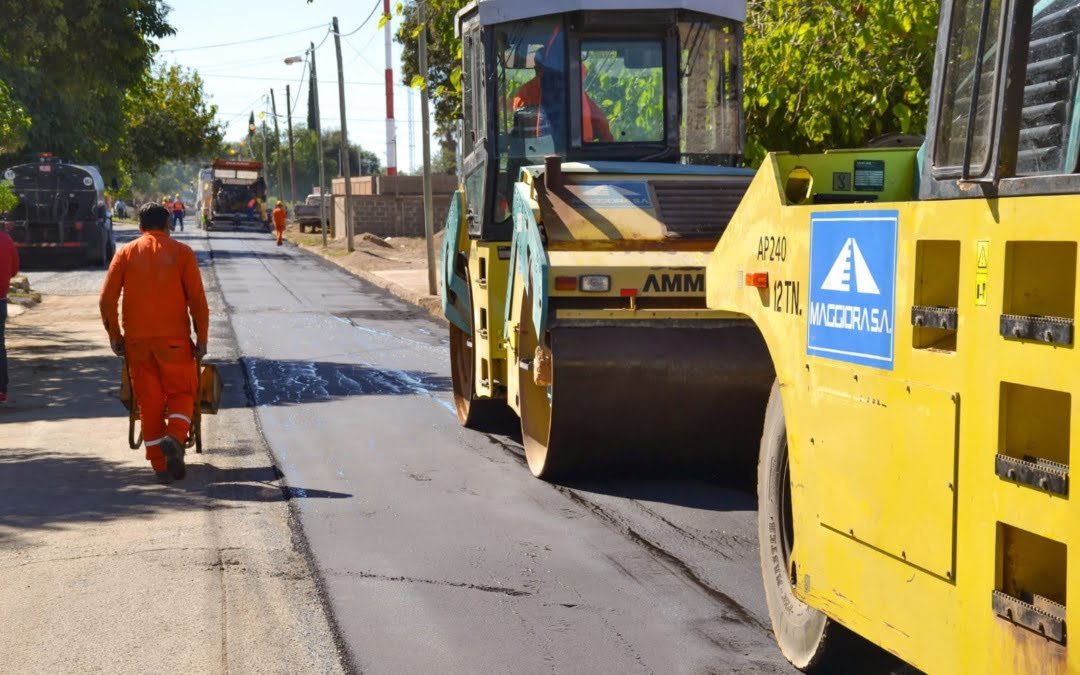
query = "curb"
{"x": 429, "y": 304}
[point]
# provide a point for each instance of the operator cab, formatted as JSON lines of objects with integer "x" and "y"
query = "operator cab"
{"x": 637, "y": 86}
{"x": 1003, "y": 114}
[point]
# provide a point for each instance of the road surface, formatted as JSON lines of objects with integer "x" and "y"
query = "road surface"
{"x": 434, "y": 548}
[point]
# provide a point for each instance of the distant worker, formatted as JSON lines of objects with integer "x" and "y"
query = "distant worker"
{"x": 279, "y": 216}
{"x": 178, "y": 214}
{"x": 163, "y": 298}
{"x": 9, "y": 267}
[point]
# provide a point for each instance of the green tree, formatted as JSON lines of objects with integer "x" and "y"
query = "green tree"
{"x": 168, "y": 119}
{"x": 14, "y": 122}
{"x": 82, "y": 73}
{"x": 444, "y": 62}
{"x": 70, "y": 64}
{"x": 825, "y": 73}
{"x": 8, "y": 200}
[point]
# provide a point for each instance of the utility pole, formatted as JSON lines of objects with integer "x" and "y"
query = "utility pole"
{"x": 345, "y": 171}
{"x": 391, "y": 131}
{"x": 292, "y": 159}
{"x": 318, "y": 145}
{"x": 277, "y": 144}
{"x": 266, "y": 161}
{"x": 429, "y": 217}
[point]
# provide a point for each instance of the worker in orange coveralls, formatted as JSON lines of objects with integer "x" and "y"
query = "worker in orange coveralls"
{"x": 160, "y": 280}
{"x": 279, "y": 221}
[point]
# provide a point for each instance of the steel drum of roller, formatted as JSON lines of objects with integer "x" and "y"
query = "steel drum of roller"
{"x": 636, "y": 396}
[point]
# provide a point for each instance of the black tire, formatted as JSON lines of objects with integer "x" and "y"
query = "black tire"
{"x": 801, "y": 631}
{"x": 481, "y": 414}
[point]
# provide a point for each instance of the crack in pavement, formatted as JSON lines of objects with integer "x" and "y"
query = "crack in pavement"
{"x": 740, "y": 613}
{"x": 503, "y": 590}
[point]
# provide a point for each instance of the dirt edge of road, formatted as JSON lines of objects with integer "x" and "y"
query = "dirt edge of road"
{"x": 346, "y": 658}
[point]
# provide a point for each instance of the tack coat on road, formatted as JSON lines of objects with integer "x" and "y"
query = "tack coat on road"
{"x": 444, "y": 553}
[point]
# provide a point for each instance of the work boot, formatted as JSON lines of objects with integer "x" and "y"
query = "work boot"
{"x": 164, "y": 477}
{"x": 174, "y": 457}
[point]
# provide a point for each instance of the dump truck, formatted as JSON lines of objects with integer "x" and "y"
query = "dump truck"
{"x": 61, "y": 213}
{"x": 919, "y": 309}
{"x": 601, "y": 164}
{"x": 237, "y": 194}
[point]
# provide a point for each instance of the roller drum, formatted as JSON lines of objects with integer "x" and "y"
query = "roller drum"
{"x": 657, "y": 396}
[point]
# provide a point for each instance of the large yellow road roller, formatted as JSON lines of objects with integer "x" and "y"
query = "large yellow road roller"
{"x": 919, "y": 308}
{"x": 601, "y": 147}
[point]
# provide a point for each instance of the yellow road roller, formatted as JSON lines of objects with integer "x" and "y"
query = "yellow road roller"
{"x": 600, "y": 150}
{"x": 919, "y": 308}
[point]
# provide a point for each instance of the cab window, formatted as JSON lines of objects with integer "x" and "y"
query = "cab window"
{"x": 622, "y": 99}
{"x": 970, "y": 74}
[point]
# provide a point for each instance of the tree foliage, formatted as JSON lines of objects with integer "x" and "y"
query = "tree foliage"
{"x": 444, "y": 61}
{"x": 8, "y": 200}
{"x": 14, "y": 122}
{"x": 818, "y": 73}
{"x": 828, "y": 73}
{"x": 168, "y": 118}
{"x": 82, "y": 74}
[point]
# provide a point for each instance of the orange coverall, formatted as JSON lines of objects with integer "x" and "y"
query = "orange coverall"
{"x": 160, "y": 280}
{"x": 594, "y": 124}
{"x": 279, "y": 223}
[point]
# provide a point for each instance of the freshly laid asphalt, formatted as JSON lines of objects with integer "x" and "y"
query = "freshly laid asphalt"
{"x": 436, "y": 548}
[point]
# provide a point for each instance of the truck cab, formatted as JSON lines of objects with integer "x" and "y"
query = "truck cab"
{"x": 61, "y": 212}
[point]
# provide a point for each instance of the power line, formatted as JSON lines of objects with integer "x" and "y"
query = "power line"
{"x": 250, "y": 107}
{"x": 372, "y": 83}
{"x": 243, "y": 42}
{"x": 378, "y": 4}
{"x": 299, "y": 87}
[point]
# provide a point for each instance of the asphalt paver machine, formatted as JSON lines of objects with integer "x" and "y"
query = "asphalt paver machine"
{"x": 919, "y": 306}
{"x": 601, "y": 149}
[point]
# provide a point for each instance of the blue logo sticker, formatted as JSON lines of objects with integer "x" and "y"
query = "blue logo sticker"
{"x": 853, "y": 287}
{"x": 622, "y": 194}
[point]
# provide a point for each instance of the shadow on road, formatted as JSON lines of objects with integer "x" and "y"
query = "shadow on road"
{"x": 49, "y": 490}
{"x": 688, "y": 492}
{"x": 224, "y": 256}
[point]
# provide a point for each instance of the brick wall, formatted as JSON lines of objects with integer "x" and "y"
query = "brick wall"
{"x": 395, "y": 185}
{"x": 391, "y": 206}
{"x": 389, "y": 215}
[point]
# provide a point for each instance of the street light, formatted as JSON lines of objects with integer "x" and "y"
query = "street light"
{"x": 289, "y": 60}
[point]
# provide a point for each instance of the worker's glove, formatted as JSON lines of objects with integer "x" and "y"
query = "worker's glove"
{"x": 200, "y": 350}
{"x": 117, "y": 346}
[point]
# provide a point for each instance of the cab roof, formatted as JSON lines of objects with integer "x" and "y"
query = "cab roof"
{"x": 500, "y": 11}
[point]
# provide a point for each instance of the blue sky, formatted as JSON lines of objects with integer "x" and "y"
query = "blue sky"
{"x": 238, "y": 77}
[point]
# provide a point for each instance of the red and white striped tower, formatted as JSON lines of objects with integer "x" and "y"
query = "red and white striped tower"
{"x": 391, "y": 131}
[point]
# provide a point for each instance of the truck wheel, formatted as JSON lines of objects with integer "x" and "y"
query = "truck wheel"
{"x": 801, "y": 631}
